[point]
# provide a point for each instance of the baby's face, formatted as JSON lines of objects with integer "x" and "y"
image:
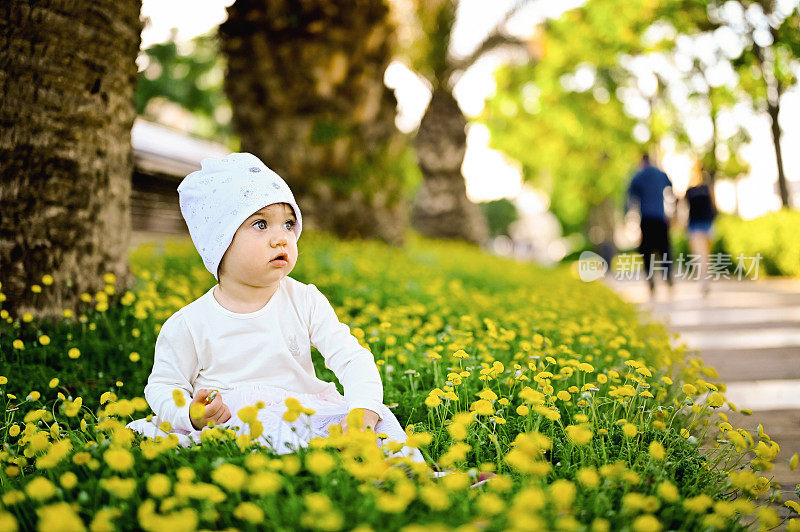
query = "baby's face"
{"x": 253, "y": 256}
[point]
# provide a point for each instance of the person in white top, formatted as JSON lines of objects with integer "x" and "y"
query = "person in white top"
{"x": 249, "y": 337}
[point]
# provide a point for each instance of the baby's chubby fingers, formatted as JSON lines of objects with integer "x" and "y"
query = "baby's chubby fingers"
{"x": 215, "y": 408}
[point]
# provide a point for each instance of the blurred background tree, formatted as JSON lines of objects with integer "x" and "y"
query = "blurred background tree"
{"x": 562, "y": 118}
{"x": 305, "y": 82}
{"x": 67, "y": 73}
{"x": 189, "y": 75}
{"x": 771, "y": 45}
{"x": 441, "y": 208}
{"x": 499, "y": 214}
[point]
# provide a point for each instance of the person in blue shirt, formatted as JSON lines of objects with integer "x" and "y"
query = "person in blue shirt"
{"x": 649, "y": 191}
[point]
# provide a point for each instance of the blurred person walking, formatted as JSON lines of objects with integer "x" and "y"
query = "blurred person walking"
{"x": 702, "y": 210}
{"x": 650, "y": 192}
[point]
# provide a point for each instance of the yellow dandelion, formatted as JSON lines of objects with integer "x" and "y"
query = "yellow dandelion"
{"x": 178, "y": 397}
{"x": 656, "y": 450}
{"x": 158, "y": 485}
{"x": 248, "y": 511}
{"x": 629, "y": 430}
{"x": 118, "y": 459}
{"x": 320, "y": 462}
{"x": 579, "y": 435}
{"x": 40, "y": 489}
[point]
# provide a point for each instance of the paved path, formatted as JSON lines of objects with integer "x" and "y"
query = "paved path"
{"x": 749, "y": 331}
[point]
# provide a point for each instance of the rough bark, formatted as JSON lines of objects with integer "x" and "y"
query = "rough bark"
{"x": 441, "y": 208}
{"x": 67, "y": 75}
{"x": 305, "y": 81}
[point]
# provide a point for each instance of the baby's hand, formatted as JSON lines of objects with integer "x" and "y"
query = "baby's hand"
{"x": 215, "y": 411}
{"x": 369, "y": 421}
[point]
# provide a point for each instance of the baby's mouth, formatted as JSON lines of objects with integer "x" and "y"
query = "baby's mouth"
{"x": 282, "y": 256}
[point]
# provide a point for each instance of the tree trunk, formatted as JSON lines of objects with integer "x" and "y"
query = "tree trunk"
{"x": 67, "y": 75}
{"x": 714, "y": 166}
{"x": 774, "y": 111}
{"x": 441, "y": 208}
{"x": 305, "y": 80}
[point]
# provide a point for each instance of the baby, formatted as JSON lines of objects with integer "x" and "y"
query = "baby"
{"x": 249, "y": 337}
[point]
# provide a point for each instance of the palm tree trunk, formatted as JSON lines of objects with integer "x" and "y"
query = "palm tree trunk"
{"x": 305, "y": 81}
{"x": 441, "y": 208}
{"x": 67, "y": 75}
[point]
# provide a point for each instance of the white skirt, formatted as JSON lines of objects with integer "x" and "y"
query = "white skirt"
{"x": 279, "y": 435}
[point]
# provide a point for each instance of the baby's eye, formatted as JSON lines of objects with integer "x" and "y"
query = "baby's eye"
{"x": 261, "y": 224}
{"x": 290, "y": 223}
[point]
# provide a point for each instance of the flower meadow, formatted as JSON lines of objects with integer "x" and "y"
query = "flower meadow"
{"x": 591, "y": 419}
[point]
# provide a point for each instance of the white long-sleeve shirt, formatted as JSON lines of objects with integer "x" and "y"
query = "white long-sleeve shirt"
{"x": 205, "y": 345}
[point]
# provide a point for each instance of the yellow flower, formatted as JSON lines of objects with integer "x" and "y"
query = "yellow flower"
{"x": 320, "y": 462}
{"x": 36, "y": 289}
{"x": 716, "y": 400}
{"x": 793, "y": 462}
{"x": 14, "y": 430}
{"x": 646, "y": 523}
{"x": 689, "y": 389}
{"x": 68, "y": 480}
{"x": 419, "y": 439}
{"x": 523, "y": 410}
{"x": 118, "y": 459}
{"x": 178, "y": 397}
{"x": 629, "y": 430}
{"x": 432, "y": 401}
{"x": 668, "y": 491}
{"x": 47, "y": 279}
{"x": 483, "y": 407}
{"x": 109, "y": 278}
{"x": 53, "y": 382}
{"x": 229, "y": 476}
{"x": 123, "y": 488}
{"x": 579, "y": 435}
{"x": 562, "y": 493}
{"x": 18, "y": 344}
{"x": 196, "y": 411}
{"x": 564, "y": 395}
{"x": 27, "y": 317}
{"x": 487, "y": 394}
{"x": 44, "y": 339}
{"x": 159, "y": 485}
{"x": 8, "y": 523}
{"x": 247, "y": 511}
{"x": 588, "y": 477}
{"x": 490, "y": 503}
{"x": 656, "y": 450}
{"x": 435, "y": 497}
{"x": 134, "y": 357}
{"x": 40, "y": 489}
{"x": 74, "y": 353}
{"x": 264, "y": 483}
{"x": 59, "y": 516}
{"x": 698, "y": 504}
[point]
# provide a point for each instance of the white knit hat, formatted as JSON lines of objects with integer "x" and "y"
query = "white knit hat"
{"x": 216, "y": 199}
